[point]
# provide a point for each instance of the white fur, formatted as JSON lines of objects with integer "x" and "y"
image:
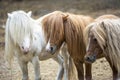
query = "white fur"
{"x": 88, "y": 45}
{"x": 48, "y": 46}
{"x": 25, "y": 45}
{"x": 20, "y": 29}
{"x": 29, "y": 13}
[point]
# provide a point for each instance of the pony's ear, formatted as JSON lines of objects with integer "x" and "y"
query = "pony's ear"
{"x": 9, "y": 15}
{"x": 65, "y": 17}
{"x": 103, "y": 24}
{"x": 29, "y": 13}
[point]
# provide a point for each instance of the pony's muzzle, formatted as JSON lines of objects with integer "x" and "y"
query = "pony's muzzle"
{"x": 25, "y": 50}
{"x": 90, "y": 59}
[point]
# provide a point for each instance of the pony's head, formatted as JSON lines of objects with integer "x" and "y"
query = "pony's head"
{"x": 54, "y": 28}
{"x": 93, "y": 49}
{"x": 103, "y": 37}
{"x": 19, "y": 26}
{"x": 95, "y": 37}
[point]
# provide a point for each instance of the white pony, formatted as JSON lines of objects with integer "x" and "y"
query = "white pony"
{"x": 25, "y": 39}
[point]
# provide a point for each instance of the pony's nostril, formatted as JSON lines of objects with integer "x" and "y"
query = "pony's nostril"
{"x": 51, "y": 48}
{"x": 22, "y": 47}
{"x": 88, "y": 58}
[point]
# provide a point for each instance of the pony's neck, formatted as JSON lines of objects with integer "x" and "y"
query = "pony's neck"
{"x": 74, "y": 38}
{"x": 76, "y": 45}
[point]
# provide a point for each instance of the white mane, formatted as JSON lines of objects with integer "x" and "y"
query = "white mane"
{"x": 19, "y": 24}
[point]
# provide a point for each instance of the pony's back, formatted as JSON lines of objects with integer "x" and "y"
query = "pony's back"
{"x": 108, "y": 16}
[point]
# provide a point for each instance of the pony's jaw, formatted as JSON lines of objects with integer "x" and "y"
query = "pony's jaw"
{"x": 51, "y": 49}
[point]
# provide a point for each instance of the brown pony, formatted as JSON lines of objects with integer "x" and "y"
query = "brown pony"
{"x": 101, "y": 37}
{"x": 108, "y": 16}
{"x": 62, "y": 27}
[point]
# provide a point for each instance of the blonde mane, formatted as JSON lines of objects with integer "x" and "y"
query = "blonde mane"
{"x": 100, "y": 18}
{"x": 107, "y": 34}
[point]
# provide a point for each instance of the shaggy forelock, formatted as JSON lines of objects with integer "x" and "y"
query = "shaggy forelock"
{"x": 19, "y": 25}
{"x": 99, "y": 33}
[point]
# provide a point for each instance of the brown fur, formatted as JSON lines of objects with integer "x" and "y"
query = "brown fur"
{"x": 74, "y": 27}
{"x": 50, "y": 22}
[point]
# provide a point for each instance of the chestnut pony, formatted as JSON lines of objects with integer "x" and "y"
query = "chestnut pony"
{"x": 62, "y": 27}
{"x": 102, "y": 36}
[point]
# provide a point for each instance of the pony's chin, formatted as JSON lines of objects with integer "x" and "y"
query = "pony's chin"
{"x": 52, "y": 53}
{"x": 25, "y": 53}
{"x": 90, "y": 62}
{"x": 45, "y": 55}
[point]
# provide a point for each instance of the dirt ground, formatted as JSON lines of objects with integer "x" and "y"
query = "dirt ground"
{"x": 49, "y": 68}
